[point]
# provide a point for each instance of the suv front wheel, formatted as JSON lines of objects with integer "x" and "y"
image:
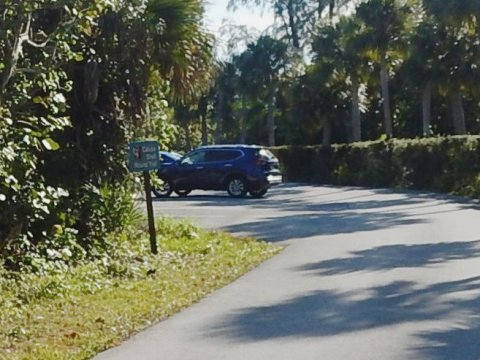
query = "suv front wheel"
{"x": 164, "y": 189}
{"x": 182, "y": 192}
{"x": 258, "y": 194}
{"x": 236, "y": 187}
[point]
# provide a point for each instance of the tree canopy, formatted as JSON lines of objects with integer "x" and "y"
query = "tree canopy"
{"x": 384, "y": 68}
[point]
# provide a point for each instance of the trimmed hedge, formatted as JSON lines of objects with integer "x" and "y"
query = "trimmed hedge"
{"x": 442, "y": 164}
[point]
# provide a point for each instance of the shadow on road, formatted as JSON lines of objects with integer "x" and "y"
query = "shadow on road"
{"x": 329, "y": 313}
{"x": 326, "y": 222}
{"x": 396, "y": 256}
{"x": 460, "y": 343}
{"x": 299, "y": 200}
{"x": 296, "y": 214}
{"x": 291, "y": 212}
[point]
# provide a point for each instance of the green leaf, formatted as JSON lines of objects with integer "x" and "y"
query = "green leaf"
{"x": 49, "y": 144}
{"x": 59, "y": 98}
{"x": 79, "y": 57}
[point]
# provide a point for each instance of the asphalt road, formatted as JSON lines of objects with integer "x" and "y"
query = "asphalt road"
{"x": 366, "y": 274}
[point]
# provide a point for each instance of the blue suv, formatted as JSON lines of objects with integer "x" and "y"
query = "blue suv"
{"x": 238, "y": 169}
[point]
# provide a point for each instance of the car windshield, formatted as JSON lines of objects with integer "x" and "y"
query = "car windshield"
{"x": 175, "y": 156}
{"x": 169, "y": 156}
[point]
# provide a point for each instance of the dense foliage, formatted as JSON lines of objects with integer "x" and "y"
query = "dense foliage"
{"x": 447, "y": 165}
{"x": 78, "y": 80}
{"x": 353, "y": 71}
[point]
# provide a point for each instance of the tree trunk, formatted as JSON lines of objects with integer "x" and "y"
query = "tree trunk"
{"x": 293, "y": 25}
{"x": 427, "y": 109}
{"x": 458, "y": 113}
{"x": 386, "y": 97}
{"x": 203, "y": 119}
{"x": 244, "y": 113}
{"x": 188, "y": 138}
{"x": 356, "y": 118}
{"x": 219, "y": 118}
{"x": 331, "y": 8}
{"x": 327, "y": 134}
{"x": 327, "y": 126}
{"x": 202, "y": 114}
{"x": 270, "y": 116}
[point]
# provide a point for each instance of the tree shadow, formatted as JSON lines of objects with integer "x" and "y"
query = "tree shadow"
{"x": 326, "y": 222}
{"x": 302, "y": 201}
{"x": 330, "y": 313}
{"x": 221, "y": 198}
{"x": 460, "y": 340}
{"x": 396, "y": 256}
{"x": 301, "y": 216}
{"x": 460, "y": 343}
{"x": 327, "y": 313}
{"x": 464, "y": 202}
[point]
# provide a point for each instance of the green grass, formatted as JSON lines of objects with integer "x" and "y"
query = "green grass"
{"x": 74, "y": 313}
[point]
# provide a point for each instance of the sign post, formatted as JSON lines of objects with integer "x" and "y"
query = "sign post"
{"x": 144, "y": 157}
{"x": 151, "y": 218}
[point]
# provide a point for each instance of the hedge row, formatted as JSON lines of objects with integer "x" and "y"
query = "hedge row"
{"x": 447, "y": 165}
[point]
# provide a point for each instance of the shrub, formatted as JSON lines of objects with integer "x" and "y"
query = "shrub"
{"x": 81, "y": 228}
{"x": 450, "y": 164}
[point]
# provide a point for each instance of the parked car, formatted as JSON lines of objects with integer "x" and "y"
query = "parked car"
{"x": 238, "y": 169}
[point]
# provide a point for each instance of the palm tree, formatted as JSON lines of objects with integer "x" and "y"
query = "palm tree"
{"x": 246, "y": 87}
{"x": 342, "y": 46}
{"x": 182, "y": 49}
{"x": 224, "y": 98}
{"x": 354, "y": 60}
{"x": 455, "y": 19}
{"x": 264, "y": 62}
{"x": 384, "y": 21}
{"x": 422, "y": 66}
{"x": 321, "y": 6}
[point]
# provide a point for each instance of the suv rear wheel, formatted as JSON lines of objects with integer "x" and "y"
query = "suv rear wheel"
{"x": 236, "y": 187}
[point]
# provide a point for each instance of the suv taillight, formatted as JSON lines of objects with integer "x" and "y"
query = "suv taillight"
{"x": 260, "y": 160}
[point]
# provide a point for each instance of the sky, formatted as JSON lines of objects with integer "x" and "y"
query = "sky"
{"x": 216, "y": 15}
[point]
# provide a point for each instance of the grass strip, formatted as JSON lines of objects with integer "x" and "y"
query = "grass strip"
{"x": 79, "y": 312}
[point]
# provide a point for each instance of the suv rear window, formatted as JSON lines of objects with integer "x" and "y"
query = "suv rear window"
{"x": 266, "y": 153}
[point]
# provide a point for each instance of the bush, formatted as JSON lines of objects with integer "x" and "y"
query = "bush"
{"x": 450, "y": 165}
{"x": 81, "y": 228}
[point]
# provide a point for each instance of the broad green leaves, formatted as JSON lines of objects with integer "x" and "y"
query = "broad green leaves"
{"x": 35, "y": 47}
{"x": 78, "y": 80}
{"x": 49, "y": 144}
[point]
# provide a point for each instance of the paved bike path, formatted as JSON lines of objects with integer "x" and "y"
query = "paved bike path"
{"x": 366, "y": 274}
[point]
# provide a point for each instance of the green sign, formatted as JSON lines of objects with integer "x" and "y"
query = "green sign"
{"x": 143, "y": 156}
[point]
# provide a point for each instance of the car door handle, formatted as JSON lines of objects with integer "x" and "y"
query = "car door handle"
{"x": 228, "y": 165}
{"x": 199, "y": 168}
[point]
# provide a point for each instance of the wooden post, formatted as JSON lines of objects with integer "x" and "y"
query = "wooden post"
{"x": 151, "y": 218}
